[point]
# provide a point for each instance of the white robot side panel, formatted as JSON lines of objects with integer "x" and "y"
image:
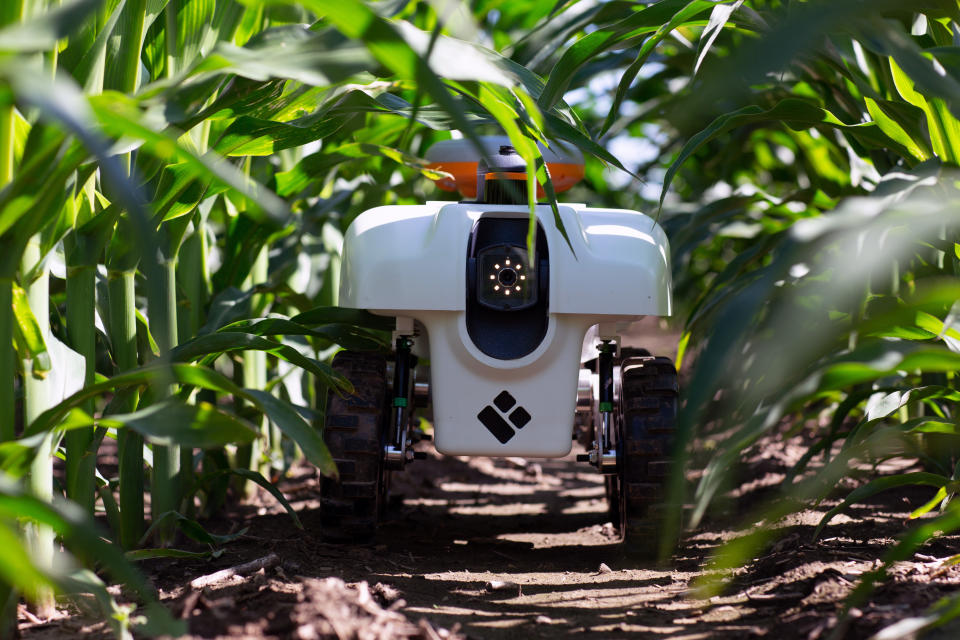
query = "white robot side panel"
{"x": 621, "y": 266}
{"x": 396, "y": 259}
{"x": 483, "y": 406}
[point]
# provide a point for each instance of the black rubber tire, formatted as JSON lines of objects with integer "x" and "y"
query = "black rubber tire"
{"x": 646, "y": 432}
{"x": 611, "y": 485}
{"x": 612, "y": 482}
{"x": 355, "y": 432}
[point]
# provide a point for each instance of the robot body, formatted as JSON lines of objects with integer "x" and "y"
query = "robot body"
{"x": 522, "y": 340}
{"x": 494, "y": 399}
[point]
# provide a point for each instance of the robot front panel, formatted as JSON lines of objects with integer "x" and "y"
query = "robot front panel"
{"x": 505, "y": 328}
{"x": 486, "y": 406}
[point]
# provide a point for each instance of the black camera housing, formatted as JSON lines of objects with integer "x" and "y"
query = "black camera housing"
{"x": 507, "y": 291}
{"x": 505, "y": 278}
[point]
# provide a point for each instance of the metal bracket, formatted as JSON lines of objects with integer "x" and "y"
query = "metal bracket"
{"x": 607, "y": 332}
{"x": 404, "y": 329}
{"x": 397, "y": 451}
{"x": 604, "y": 454}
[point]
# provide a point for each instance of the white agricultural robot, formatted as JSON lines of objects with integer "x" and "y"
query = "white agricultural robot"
{"x": 524, "y": 351}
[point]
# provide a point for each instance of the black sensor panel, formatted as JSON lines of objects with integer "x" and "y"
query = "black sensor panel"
{"x": 507, "y": 313}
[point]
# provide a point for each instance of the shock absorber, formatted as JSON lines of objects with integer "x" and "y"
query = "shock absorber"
{"x": 396, "y": 449}
{"x": 604, "y": 455}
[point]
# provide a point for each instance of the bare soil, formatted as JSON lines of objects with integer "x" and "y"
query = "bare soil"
{"x": 509, "y": 548}
{"x": 491, "y": 549}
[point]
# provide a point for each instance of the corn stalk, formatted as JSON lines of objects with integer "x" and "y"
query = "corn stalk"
{"x": 81, "y": 331}
{"x": 37, "y": 398}
{"x": 122, "y": 300}
{"x": 8, "y": 369}
{"x": 254, "y": 456}
{"x": 274, "y": 98}
{"x": 123, "y": 336}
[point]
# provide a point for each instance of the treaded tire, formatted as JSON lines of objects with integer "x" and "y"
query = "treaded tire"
{"x": 354, "y": 432}
{"x": 647, "y": 426}
{"x": 612, "y": 482}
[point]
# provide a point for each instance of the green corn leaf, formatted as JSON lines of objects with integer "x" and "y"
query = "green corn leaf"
{"x": 122, "y": 68}
{"x": 919, "y": 478}
{"x": 904, "y": 86}
{"x": 543, "y": 177}
{"x": 182, "y": 192}
{"x": 938, "y": 497}
{"x": 91, "y": 69}
{"x": 279, "y": 412}
{"x": 917, "y": 70}
{"x": 355, "y": 20}
{"x": 930, "y": 425}
{"x": 877, "y": 360}
{"x": 905, "y": 547}
{"x": 93, "y": 235}
{"x": 120, "y": 117}
{"x": 42, "y": 32}
{"x": 948, "y": 127}
{"x": 229, "y": 305}
{"x": 187, "y": 27}
{"x": 943, "y": 127}
{"x": 145, "y": 340}
{"x": 681, "y": 17}
{"x": 646, "y": 20}
{"x": 682, "y": 347}
{"x": 79, "y": 533}
{"x": 209, "y": 347}
{"x": 271, "y": 488}
{"x": 347, "y": 336}
{"x": 791, "y": 111}
{"x": 190, "y": 528}
{"x": 718, "y": 19}
{"x": 172, "y": 422}
{"x": 111, "y": 509}
{"x": 16, "y": 566}
{"x": 561, "y": 129}
{"x": 138, "y": 555}
{"x": 256, "y": 137}
{"x": 527, "y": 148}
{"x": 297, "y": 429}
{"x": 44, "y": 206}
{"x": 402, "y": 48}
{"x": 155, "y": 619}
{"x": 307, "y": 171}
{"x": 340, "y": 315}
{"x": 16, "y": 455}
{"x": 317, "y": 58}
{"x": 27, "y": 334}
{"x": 888, "y": 123}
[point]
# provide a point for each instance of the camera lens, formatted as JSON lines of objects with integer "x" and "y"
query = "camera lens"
{"x": 507, "y": 277}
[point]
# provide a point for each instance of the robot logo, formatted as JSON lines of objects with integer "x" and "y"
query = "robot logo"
{"x": 492, "y": 419}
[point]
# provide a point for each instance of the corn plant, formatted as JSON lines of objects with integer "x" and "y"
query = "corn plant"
{"x": 817, "y": 270}
{"x": 177, "y": 157}
{"x": 193, "y": 165}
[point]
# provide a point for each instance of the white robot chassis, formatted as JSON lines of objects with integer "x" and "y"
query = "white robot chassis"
{"x": 524, "y": 351}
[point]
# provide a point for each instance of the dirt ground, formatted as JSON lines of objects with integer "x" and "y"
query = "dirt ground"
{"x": 490, "y": 549}
{"x": 509, "y": 548}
